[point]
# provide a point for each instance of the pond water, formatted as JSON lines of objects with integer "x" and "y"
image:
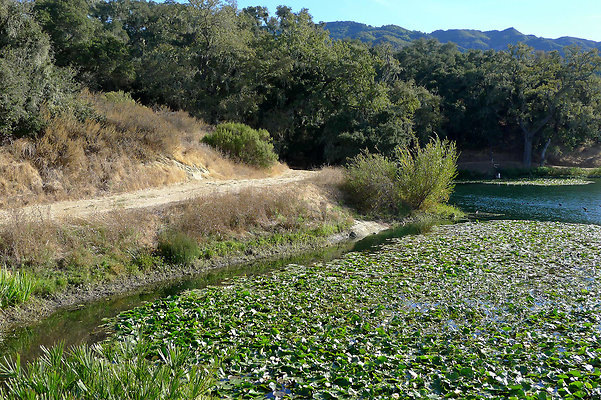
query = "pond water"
{"x": 577, "y": 203}
{"x": 85, "y": 323}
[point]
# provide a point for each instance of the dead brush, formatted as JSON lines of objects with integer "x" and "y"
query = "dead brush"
{"x": 250, "y": 210}
{"x": 328, "y": 177}
{"x": 36, "y": 241}
{"x": 29, "y": 239}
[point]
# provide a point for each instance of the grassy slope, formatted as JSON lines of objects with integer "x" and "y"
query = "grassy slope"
{"x": 122, "y": 146}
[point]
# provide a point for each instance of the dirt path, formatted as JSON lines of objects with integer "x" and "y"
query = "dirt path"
{"x": 149, "y": 198}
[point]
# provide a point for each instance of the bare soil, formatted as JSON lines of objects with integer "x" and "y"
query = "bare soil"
{"x": 151, "y": 198}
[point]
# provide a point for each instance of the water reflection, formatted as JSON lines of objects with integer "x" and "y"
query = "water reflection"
{"x": 577, "y": 204}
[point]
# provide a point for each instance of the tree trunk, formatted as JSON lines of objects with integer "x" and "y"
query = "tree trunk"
{"x": 529, "y": 135}
{"x": 543, "y": 153}
{"x": 527, "y": 159}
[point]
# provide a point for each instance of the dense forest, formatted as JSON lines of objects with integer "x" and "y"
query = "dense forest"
{"x": 322, "y": 100}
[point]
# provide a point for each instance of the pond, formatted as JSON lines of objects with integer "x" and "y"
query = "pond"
{"x": 85, "y": 323}
{"x": 494, "y": 309}
{"x": 573, "y": 203}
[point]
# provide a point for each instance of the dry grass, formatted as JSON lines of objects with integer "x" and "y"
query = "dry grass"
{"x": 110, "y": 245}
{"x": 130, "y": 147}
{"x": 38, "y": 242}
{"x": 330, "y": 181}
{"x": 253, "y": 210}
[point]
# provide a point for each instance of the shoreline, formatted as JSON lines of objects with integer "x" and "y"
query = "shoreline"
{"x": 38, "y": 309}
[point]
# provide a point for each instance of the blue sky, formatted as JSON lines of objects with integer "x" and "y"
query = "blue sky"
{"x": 546, "y": 18}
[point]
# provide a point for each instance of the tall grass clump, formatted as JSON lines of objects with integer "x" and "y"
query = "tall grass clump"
{"x": 15, "y": 288}
{"x": 412, "y": 179}
{"x": 241, "y": 142}
{"x": 178, "y": 248}
{"x": 111, "y": 372}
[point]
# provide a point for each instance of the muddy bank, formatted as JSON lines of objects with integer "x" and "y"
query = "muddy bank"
{"x": 38, "y": 309}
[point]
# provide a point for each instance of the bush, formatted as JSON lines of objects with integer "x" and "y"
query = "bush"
{"x": 31, "y": 86}
{"x": 414, "y": 179}
{"x": 370, "y": 183}
{"x": 426, "y": 175}
{"x": 243, "y": 143}
{"x": 178, "y": 248}
{"x": 119, "y": 97}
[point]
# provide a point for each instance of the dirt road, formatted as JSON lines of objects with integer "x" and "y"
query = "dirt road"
{"x": 149, "y": 198}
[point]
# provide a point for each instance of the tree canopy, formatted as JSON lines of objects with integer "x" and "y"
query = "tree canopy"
{"x": 322, "y": 100}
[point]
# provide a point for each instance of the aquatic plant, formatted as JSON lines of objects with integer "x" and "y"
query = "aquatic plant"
{"x": 533, "y": 182}
{"x": 112, "y": 372}
{"x": 499, "y": 309}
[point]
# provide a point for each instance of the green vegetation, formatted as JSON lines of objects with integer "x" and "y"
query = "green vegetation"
{"x": 31, "y": 85}
{"x": 178, "y": 248}
{"x": 243, "y": 143}
{"x": 418, "y": 179}
{"x": 15, "y": 287}
{"x": 66, "y": 255}
{"x": 425, "y": 175}
{"x": 479, "y": 310}
{"x": 321, "y": 100}
{"x": 109, "y": 371}
{"x": 370, "y": 183}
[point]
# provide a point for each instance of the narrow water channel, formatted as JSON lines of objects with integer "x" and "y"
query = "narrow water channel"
{"x": 85, "y": 323}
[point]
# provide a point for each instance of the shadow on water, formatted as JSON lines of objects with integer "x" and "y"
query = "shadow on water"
{"x": 84, "y": 324}
{"x": 575, "y": 204}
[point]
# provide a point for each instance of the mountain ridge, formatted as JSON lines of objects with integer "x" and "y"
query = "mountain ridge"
{"x": 465, "y": 39}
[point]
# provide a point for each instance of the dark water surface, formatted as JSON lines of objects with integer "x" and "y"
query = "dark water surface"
{"x": 577, "y": 204}
{"x": 84, "y": 324}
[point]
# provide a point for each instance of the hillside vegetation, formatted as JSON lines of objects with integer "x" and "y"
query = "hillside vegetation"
{"x": 120, "y": 146}
{"x": 321, "y": 100}
{"x": 465, "y": 39}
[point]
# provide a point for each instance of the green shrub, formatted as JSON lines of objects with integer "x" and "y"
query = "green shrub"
{"x": 414, "y": 179}
{"x": 15, "y": 288}
{"x": 178, "y": 248}
{"x": 118, "y": 371}
{"x": 243, "y": 143}
{"x": 145, "y": 261}
{"x": 370, "y": 183}
{"x": 426, "y": 175}
{"x": 31, "y": 86}
{"x": 119, "y": 97}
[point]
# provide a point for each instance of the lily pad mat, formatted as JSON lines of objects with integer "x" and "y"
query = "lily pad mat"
{"x": 500, "y": 309}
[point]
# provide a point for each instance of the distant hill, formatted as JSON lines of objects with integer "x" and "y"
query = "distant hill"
{"x": 464, "y": 38}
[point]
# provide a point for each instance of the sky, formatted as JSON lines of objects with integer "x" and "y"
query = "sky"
{"x": 546, "y": 18}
